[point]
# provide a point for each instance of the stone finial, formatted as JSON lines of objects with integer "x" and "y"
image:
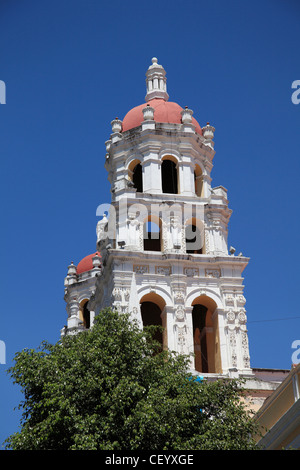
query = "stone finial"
{"x": 148, "y": 113}
{"x": 116, "y": 125}
{"x": 72, "y": 275}
{"x": 208, "y": 134}
{"x": 72, "y": 271}
{"x": 186, "y": 115}
{"x": 96, "y": 261}
{"x": 208, "y": 131}
{"x": 156, "y": 82}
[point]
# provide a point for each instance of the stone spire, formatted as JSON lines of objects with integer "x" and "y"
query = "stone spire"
{"x": 156, "y": 82}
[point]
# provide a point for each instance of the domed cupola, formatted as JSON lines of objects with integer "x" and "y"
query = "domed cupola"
{"x": 157, "y": 98}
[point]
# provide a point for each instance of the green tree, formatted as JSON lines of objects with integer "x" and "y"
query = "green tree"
{"x": 112, "y": 388}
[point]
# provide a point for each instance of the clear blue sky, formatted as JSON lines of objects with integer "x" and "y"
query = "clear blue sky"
{"x": 70, "y": 67}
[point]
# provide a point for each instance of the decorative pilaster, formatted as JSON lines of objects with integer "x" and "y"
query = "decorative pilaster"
{"x": 134, "y": 304}
{"x": 134, "y": 228}
{"x": 152, "y": 174}
{"x": 186, "y": 177}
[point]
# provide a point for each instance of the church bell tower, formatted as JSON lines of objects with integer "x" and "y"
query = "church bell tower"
{"x": 162, "y": 251}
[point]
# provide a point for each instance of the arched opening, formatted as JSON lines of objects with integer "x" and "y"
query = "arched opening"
{"x": 151, "y": 316}
{"x": 169, "y": 177}
{"x": 198, "y": 178}
{"x": 206, "y": 335}
{"x": 200, "y": 346}
{"x": 85, "y": 314}
{"x": 193, "y": 239}
{"x": 152, "y": 234}
{"x": 137, "y": 178}
{"x": 152, "y": 306}
{"x": 135, "y": 173}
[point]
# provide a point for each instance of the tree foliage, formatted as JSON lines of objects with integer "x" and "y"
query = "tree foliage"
{"x": 111, "y": 388}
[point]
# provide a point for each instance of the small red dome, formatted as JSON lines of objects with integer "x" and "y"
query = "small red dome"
{"x": 164, "y": 111}
{"x": 86, "y": 264}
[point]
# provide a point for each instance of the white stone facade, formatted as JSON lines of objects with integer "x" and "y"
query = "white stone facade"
{"x": 192, "y": 278}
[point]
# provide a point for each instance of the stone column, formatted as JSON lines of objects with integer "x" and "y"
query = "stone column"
{"x": 189, "y": 334}
{"x": 152, "y": 174}
{"x": 186, "y": 177}
{"x": 167, "y": 321}
{"x": 199, "y": 185}
{"x": 223, "y": 338}
{"x": 206, "y": 188}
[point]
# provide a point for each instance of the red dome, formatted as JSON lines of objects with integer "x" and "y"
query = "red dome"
{"x": 86, "y": 264}
{"x": 164, "y": 111}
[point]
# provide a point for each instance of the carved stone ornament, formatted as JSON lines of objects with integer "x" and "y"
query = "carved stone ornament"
{"x": 179, "y": 296}
{"x": 212, "y": 273}
{"x": 245, "y": 342}
{"x": 191, "y": 272}
{"x": 166, "y": 270}
{"x": 247, "y": 362}
{"x": 117, "y": 295}
{"x": 141, "y": 269}
{"x": 241, "y": 300}
{"x": 179, "y": 313}
{"x": 242, "y": 316}
{"x": 229, "y": 299}
{"x": 234, "y": 359}
{"x": 127, "y": 295}
{"x": 230, "y": 316}
{"x": 181, "y": 336}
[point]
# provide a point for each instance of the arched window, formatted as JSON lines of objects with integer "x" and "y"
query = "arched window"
{"x": 206, "y": 336}
{"x": 85, "y": 314}
{"x": 137, "y": 178}
{"x": 152, "y": 235}
{"x": 200, "y": 346}
{"x": 169, "y": 177}
{"x": 152, "y": 306}
{"x": 193, "y": 239}
{"x": 151, "y": 315}
{"x": 135, "y": 174}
